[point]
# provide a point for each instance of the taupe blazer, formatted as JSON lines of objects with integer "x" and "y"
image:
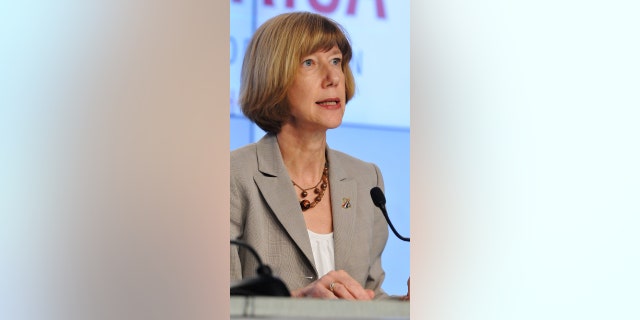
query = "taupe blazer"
{"x": 266, "y": 214}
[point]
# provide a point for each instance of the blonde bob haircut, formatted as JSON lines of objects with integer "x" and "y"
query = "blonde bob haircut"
{"x": 272, "y": 60}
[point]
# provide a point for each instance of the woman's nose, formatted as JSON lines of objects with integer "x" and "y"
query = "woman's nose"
{"x": 332, "y": 76}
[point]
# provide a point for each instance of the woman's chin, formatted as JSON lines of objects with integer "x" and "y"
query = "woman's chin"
{"x": 334, "y": 125}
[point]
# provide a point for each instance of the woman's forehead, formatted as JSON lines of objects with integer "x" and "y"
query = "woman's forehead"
{"x": 324, "y": 47}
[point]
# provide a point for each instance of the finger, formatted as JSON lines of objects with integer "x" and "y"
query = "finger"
{"x": 321, "y": 291}
{"x": 328, "y": 292}
{"x": 371, "y": 293}
{"x": 316, "y": 289}
{"x": 355, "y": 289}
{"x": 358, "y": 292}
{"x": 340, "y": 291}
{"x": 298, "y": 293}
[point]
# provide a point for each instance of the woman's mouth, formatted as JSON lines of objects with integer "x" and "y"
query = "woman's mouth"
{"x": 331, "y": 102}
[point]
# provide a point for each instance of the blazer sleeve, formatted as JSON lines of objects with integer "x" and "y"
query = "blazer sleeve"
{"x": 381, "y": 233}
{"x": 237, "y": 225}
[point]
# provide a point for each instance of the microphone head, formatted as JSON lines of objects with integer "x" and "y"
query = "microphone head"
{"x": 378, "y": 197}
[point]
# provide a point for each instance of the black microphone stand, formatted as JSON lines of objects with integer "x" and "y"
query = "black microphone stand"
{"x": 264, "y": 284}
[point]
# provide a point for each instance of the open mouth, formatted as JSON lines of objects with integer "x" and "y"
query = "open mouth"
{"x": 331, "y": 102}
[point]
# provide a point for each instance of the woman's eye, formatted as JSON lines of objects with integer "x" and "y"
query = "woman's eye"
{"x": 307, "y": 63}
{"x": 336, "y": 61}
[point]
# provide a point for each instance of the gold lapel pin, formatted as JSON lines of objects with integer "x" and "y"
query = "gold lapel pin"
{"x": 346, "y": 203}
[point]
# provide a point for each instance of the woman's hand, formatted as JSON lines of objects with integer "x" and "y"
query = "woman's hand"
{"x": 335, "y": 285}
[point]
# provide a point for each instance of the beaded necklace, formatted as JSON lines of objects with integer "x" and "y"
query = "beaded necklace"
{"x": 318, "y": 189}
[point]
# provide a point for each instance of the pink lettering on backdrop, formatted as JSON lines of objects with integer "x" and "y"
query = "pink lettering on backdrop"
{"x": 322, "y": 8}
{"x": 331, "y": 6}
{"x": 351, "y": 8}
{"x": 288, "y": 3}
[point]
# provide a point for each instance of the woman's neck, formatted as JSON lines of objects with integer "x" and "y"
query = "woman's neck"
{"x": 303, "y": 155}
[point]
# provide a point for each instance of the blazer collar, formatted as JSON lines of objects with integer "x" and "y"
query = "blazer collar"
{"x": 344, "y": 207}
{"x": 269, "y": 157}
{"x": 275, "y": 185}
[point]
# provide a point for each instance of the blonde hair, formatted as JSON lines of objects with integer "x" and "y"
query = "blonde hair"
{"x": 272, "y": 59}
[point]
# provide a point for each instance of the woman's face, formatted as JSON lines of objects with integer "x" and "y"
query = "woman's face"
{"x": 317, "y": 97}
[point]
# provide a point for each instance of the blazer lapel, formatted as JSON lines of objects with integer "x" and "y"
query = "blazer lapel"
{"x": 275, "y": 185}
{"x": 344, "y": 206}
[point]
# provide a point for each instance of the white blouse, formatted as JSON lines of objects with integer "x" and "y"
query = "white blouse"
{"x": 322, "y": 247}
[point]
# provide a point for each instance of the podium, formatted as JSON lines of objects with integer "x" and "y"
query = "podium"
{"x": 316, "y": 309}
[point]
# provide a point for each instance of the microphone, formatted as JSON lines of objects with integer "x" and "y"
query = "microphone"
{"x": 265, "y": 284}
{"x": 379, "y": 200}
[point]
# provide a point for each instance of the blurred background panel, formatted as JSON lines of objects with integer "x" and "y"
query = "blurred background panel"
{"x": 528, "y": 152}
{"x": 113, "y": 159}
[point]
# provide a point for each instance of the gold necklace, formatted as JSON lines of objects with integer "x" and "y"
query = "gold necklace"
{"x": 318, "y": 189}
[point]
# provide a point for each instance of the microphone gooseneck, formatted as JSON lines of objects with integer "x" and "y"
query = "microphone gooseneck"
{"x": 379, "y": 200}
{"x": 265, "y": 284}
{"x": 263, "y": 269}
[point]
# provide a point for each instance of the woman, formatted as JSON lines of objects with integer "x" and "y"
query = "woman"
{"x": 304, "y": 207}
